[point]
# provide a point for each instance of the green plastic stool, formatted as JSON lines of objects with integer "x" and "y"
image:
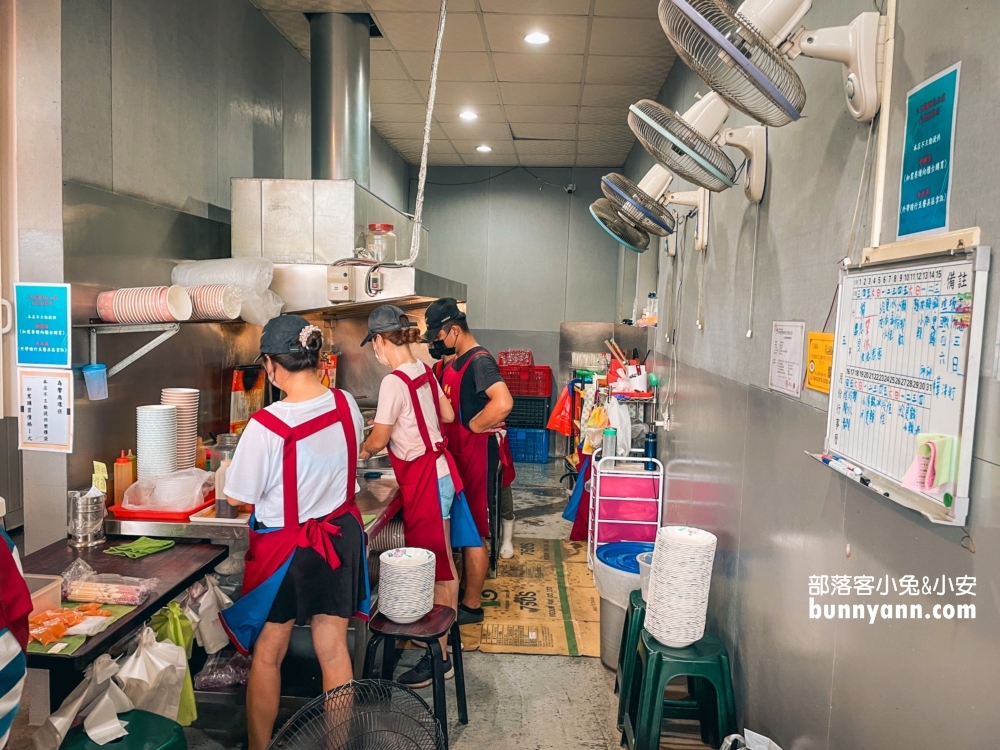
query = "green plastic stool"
{"x": 146, "y": 731}
{"x": 705, "y": 664}
{"x": 635, "y": 616}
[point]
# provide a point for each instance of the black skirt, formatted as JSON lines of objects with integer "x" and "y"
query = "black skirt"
{"x": 312, "y": 587}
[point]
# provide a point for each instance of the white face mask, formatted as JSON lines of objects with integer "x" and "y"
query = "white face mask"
{"x": 380, "y": 356}
{"x": 270, "y": 375}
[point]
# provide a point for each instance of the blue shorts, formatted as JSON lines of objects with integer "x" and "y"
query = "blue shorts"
{"x": 446, "y": 491}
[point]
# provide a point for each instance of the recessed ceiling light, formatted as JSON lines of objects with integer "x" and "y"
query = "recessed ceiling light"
{"x": 537, "y": 37}
{"x": 469, "y": 115}
{"x": 484, "y": 149}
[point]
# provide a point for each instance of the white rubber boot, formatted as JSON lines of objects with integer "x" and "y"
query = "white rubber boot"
{"x": 507, "y": 539}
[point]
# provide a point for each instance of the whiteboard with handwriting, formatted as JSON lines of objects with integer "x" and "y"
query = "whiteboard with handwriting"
{"x": 906, "y": 361}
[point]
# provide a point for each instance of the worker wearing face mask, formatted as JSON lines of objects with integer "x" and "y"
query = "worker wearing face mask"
{"x": 481, "y": 402}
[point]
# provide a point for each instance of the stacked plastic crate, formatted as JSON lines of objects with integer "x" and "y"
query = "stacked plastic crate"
{"x": 531, "y": 387}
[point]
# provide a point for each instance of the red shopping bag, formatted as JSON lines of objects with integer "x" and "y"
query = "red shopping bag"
{"x": 561, "y": 418}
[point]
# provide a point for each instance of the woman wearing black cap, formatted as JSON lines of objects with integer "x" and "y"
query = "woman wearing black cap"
{"x": 296, "y": 463}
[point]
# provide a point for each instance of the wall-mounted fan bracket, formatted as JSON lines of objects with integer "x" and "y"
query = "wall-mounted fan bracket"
{"x": 752, "y": 142}
{"x": 699, "y": 200}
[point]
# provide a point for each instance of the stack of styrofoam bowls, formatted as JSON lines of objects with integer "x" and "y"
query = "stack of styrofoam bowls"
{"x": 679, "y": 581}
{"x": 186, "y": 401}
{"x": 406, "y": 584}
{"x": 146, "y": 304}
{"x": 214, "y": 302}
{"x": 155, "y": 440}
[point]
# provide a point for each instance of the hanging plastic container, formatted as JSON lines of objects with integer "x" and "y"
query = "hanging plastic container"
{"x": 96, "y": 378}
{"x": 380, "y": 242}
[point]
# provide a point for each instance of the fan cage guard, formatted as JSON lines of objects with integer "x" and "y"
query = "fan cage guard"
{"x": 736, "y": 83}
{"x": 363, "y": 715}
{"x": 611, "y": 222}
{"x": 636, "y": 206}
{"x": 680, "y": 148}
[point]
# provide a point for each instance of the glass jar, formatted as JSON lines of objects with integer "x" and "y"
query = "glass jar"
{"x": 225, "y": 448}
{"x": 380, "y": 242}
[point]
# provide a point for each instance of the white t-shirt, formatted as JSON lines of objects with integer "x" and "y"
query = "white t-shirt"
{"x": 395, "y": 408}
{"x": 255, "y": 475}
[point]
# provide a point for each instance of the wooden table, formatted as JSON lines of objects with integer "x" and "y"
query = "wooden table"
{"x": 176, "y": 568}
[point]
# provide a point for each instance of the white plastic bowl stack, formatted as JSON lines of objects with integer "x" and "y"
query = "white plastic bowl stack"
{"x": 214, "y": 302}
{"x": 156, "y": 440}
{"x": 186, "y": 401}
{"x": 146, "y": 304}
{"x": 406, "y": 584}
{"x": 679, "y": 581}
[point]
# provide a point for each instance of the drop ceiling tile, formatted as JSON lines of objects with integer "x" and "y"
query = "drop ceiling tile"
{"x": 553, "y": 131}
{"x": 616, "y": 132}
{"x": 417, "y": 31}
{"x": 408, "y": 130}
{"x": 540, "y": 114}
{"x": 395, "y": 113}
{"x": 633, "y": 71}
{"x": 545, "y": 147}
{"x": 547, "y": 160}
{"x": 316, "y": 6}
{"x": 443, "y": 160}
{"x": 490, "y": 160}
{"x": 475, "y": 130}
{"x": 385, "y": 66}
{"x": 395, "y": 92}
{"x": 567, "y": 34}
{"x": 452, "y": 112}
{"x": 633, "y": 36}
{"x": 467, "y": 93}
{"x": 546, "y": 7}
{"x": 423, "y": 6}
{"x": 626, "y": 8}
{"x": 540, "y": 93}
{"x": 454, "y": 66}
{"x": 604, "y": 115}
{"x": 499, "y": 146}
{"x": 533, "y": 68}
{"x": 607, "y": 95}
{"x": 598, "y": 160}
{"x": 606, "y": 148}
{"x": 381, "y": 43}
{"x": 293, "y": 26}
{"x": 414, "y": 146}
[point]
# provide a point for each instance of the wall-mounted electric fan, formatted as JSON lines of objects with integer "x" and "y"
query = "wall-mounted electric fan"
{"x": 742, "y": 54}
{"x": 604, "y": 213}
{"x": 636, "y": 206}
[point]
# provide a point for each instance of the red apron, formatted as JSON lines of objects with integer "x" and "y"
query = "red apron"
{"x": 15, "y": 600}
{"x": 471, "y": 450}
{"x": 418, "y": 482}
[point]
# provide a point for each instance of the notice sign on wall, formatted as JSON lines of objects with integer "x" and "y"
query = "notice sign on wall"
{"x": 819, "y": 361}
{"x": 42, "y": 314}
{"x": 45, "y": 410}
{"x": 787, "y": 338}
{"x": 928, "y": 155}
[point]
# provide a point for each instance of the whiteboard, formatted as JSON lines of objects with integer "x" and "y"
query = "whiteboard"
{"x": 906, "y": 361}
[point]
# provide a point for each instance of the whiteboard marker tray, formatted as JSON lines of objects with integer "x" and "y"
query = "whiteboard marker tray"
{"x": 208, "y": 516}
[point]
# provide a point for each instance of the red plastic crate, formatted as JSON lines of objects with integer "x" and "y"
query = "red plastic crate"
{"x": 535, "y": 380}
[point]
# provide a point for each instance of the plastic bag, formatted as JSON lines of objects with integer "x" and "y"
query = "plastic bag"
{"x": 82, "y": 584}
{"x": 619, "y": 418}
{"x": 253, "y": 273}
{"x": 153, "y": 675}
{"x": 202, "y": 603}
{"x": 561, "y": 419}
{"x": 614, "y": 585}
{"x": 223, "y": 670}
{"x": 180, "y": 490}
{"x": 259, "y": 307}
{"x": 170, "y": 624}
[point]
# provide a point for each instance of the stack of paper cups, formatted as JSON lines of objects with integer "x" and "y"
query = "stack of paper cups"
{"x": 186, "y": 401}
{"x": 679, "y": 580}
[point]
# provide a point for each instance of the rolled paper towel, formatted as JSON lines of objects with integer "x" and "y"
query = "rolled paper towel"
{"x": 679, "y": 582}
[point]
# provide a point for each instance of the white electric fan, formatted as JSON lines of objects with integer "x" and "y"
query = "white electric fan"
{"x": 630, "y": 212}
{"x": 742, "y": 54}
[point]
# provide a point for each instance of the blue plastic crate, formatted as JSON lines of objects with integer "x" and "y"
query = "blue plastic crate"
{"x": 529, "y": 446}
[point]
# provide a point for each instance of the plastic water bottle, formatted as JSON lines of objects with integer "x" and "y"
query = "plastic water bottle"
{"x": 609, "y": 445}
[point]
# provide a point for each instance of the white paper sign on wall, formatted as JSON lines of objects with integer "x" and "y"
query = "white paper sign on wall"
{"x": 787, "y": 340}
{"x": 45, "y": 409}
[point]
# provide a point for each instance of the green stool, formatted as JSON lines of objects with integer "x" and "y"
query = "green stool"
{"x": 635, "y": 616}
{"x": 146, "y": 731}
{"x": 705, "y": 664}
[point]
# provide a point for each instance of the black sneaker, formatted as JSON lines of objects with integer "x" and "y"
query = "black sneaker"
{"x": 468, "y": 615}
{"x": 422, "y": 674}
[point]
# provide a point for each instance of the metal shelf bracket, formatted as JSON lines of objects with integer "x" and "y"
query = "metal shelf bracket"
{"x": 166, "y": 331}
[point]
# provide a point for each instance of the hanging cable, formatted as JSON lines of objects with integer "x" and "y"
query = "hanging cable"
{"x": 753, "y": 269}
{"x": 861, "y": 186}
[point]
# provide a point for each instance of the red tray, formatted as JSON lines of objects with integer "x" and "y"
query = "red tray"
{"x": 162, "y": 515}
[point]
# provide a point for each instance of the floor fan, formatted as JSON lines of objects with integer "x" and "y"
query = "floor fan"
{"x": 742, "y": 54}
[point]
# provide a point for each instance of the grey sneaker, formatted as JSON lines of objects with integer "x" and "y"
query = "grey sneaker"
{"x": 468, "y": 615}
{"x": 422, "y": 674}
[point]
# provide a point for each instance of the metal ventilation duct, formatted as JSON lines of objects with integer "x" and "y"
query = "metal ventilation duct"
{"x": 340, "y": 51}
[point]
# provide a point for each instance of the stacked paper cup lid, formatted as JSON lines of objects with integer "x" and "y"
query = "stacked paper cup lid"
{"x": 406, "y": 584}
{"x": 156, "y": 440}
{"x": 186, "y": 401}
{"x": 146, "y": 304}
{"x": 214, "y": 302}
{"x": 679, "y": 581}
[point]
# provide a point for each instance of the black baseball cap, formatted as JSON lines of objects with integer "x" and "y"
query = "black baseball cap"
{"x": 440, "y": 313}
{"x": 281, "y": 335}
{"x": 386, "y": 318}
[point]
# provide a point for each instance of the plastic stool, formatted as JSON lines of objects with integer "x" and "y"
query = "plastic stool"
{"x": 635, "y": 616}
{"x": 705, "y": 664}
{"x": 428, "y": 629}
{"x": 146, "y": 731}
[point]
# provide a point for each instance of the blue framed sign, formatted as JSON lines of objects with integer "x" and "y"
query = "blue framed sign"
{"x": 42, "y": 319}
{"x": 928, "y": 155}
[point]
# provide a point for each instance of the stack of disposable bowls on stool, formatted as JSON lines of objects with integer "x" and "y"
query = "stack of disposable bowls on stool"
{"x": 679, "y": 581}
{"x": 156, "y": 440}
{"x": 406, "y": 584}
{"x": 186, "y": 401}
{"x": 616, "y": 576}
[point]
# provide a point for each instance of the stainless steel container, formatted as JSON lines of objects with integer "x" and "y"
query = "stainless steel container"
{"x": 85, "y": 518}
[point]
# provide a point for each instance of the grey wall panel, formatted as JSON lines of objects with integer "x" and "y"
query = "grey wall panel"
{"x": 86, "y": 92}
{"x": 389, "y": 173}
{"x": 592, "y": 265}
{"x": 249, "y": 99}
{"x": 165, "y": 88}
{"x": 295, "y": 122}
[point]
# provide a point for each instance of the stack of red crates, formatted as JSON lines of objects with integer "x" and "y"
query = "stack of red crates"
{"x": 522, "y": 376}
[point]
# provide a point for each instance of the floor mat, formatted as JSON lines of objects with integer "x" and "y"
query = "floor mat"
{"x": 543, "y": 601}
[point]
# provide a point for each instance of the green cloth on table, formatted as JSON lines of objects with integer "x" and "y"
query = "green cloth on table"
{"x": 73, "y": 642}
{"x": 367, "y": 518}
{"x": 171, "y": 624}
{"x": 140, "y": 547}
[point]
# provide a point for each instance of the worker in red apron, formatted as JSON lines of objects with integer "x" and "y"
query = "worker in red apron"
{"x": 411, "y": 411}
{"x": 296, "y": 463}
{"x": 15, "y": 606}
{"x": 481, "y": 402}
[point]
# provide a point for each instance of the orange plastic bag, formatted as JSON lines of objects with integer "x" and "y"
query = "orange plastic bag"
{"x": 561, "y": 418}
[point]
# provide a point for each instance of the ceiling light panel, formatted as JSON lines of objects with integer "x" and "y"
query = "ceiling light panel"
{"x": 452, "y": 112}
{"x": 567, "y": 34}
{"x": 499, "y": 146}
